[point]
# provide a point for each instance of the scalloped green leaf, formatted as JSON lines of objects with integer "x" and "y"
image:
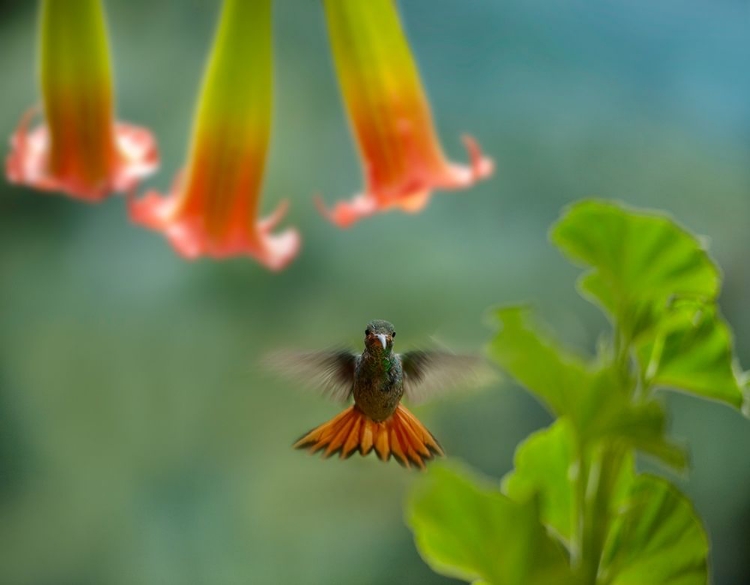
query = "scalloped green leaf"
{"x": 658, "y": 283}
{"x": 639, "y": 261}
{"x": 696, "y": 355}
{"x": 548, "y": 371}
{"x": 657, "y": 539}
{"x": 467, "y": 529}
{"x": 544, "y": 466}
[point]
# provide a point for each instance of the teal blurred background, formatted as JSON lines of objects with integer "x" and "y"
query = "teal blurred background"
{"x": 139, "y": 440}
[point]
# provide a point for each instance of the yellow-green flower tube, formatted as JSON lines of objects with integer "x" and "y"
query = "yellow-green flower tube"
{"x": 79, "y": 149}
{"x": 389, "y": 113}
{"x": 213, "y": 208}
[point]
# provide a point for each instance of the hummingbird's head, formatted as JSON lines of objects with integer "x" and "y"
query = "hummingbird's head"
{"x": 379, "y": 336}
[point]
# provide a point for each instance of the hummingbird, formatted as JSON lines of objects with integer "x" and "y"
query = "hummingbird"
{"x": 376, "y": 380}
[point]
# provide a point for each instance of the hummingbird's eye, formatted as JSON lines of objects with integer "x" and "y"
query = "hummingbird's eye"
{"x": 367, "y": 332}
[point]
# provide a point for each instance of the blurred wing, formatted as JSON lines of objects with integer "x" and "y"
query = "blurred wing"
{"x": 329, "y": 372}
{"x": 431, "y": 373}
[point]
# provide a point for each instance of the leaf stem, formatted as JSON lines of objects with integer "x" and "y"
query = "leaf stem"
{"x": 594, "y": 492}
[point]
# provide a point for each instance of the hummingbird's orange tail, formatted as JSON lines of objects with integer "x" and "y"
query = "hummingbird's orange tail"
{"x": 401, "y": 435}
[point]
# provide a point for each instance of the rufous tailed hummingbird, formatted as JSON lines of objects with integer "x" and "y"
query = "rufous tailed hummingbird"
{"x": 377, "y": 380}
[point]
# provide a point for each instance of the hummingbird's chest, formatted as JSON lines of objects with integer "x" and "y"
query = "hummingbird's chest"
{"x": 378, "y": 386}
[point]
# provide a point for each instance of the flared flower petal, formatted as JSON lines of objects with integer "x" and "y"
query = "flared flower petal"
{"x": 78, "y": 149}
{"x": 390, "y": 115}
{"x": 191, "y": 237}
{"x": 213, "y": 210}
{"x": 28, "y": 162}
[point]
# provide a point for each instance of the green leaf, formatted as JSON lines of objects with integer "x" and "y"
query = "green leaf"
{"x": 658, "y": 283}
{"x": 639, "y": 261}
{"x": 657, "y": 539}
{"x": 651, "y": 532}
{"x": 467, "y": 529}
{"x": 642, "y": 425}
{"x": 547, "y": 464}
{"x": 596, "y": 400}
{"x": 544, "y": 466}
{"x": 554, "y": 375}
{"x": 695, "y": 353}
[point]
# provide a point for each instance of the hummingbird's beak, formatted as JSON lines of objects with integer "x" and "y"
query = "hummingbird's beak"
{"x": 382, "y": 339}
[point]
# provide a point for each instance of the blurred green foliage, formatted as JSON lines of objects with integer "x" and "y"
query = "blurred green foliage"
{"x": 578, "y": 477}
{"x": 139, "y": 442}
{"x": 657, "y": 284}
{"x": 472, "y": 531}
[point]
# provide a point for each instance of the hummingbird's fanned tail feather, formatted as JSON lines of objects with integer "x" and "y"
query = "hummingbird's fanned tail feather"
{"x": 401, "y": 435}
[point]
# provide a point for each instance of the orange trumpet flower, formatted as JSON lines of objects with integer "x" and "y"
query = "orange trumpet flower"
{"x": 79, "y": 149}
{"x": 390, "y": 115}
{"x": 213, "y": 206}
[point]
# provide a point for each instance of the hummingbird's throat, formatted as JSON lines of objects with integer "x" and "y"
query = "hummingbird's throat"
{"x": 380, "y": 356}
{"x": 379, "y": 352}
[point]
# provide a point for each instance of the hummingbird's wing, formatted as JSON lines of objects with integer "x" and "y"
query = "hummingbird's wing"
{"x": 434, "y": 372}
{"x": 330, "y": 372}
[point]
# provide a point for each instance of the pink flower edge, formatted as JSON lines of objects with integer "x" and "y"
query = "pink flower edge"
{"x": 189, "y": 238}
{"x": 26, "y": 163}
{"x": 416, "y": 193}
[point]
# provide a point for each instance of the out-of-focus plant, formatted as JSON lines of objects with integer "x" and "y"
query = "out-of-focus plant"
{"x": 79, "y": 149}
{"x": 575, "y": 509}
{"x": 390, "y": 115}
{"x": 214, "y": 210}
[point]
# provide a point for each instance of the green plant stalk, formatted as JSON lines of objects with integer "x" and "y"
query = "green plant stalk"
{"x": 597, "y": 494}
{"x": 594, "y": 497}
